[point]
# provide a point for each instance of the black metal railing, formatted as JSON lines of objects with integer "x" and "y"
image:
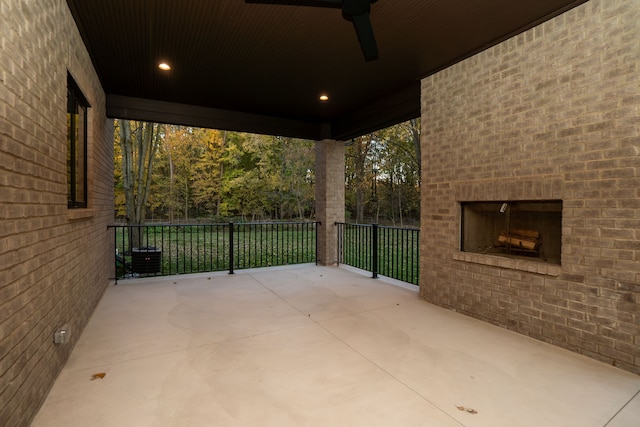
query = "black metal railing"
{"x": 390, "y": 251}
{"x": 160, "y": 250}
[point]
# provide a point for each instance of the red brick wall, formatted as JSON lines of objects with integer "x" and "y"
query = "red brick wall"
{"x": 54, "y": 262}
{"x": 553, "y": 113}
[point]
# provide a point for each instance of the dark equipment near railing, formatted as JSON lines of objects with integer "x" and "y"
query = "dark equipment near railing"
{"x": 168, "y": 249}
{"x": 146, "y": 260}
{"x": 390, "y": 251}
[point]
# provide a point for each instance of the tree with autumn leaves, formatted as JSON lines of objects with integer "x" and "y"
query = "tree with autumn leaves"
{"x": 210, "y": 174}
{"x": 183, "y": 174}
{"x": 382, "y": 176}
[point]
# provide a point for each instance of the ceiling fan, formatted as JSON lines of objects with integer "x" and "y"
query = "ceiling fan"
{"x": 356, "y": 11}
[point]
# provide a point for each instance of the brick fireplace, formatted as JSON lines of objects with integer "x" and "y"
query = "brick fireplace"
{"x": 551, "y": 115}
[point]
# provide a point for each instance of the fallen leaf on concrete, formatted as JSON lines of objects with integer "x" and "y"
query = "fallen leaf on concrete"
{"x": 469, "y": 410}
{"x": 98, "y": 376}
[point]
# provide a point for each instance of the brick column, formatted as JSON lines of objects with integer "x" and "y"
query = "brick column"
{"x": 329, "y": 197}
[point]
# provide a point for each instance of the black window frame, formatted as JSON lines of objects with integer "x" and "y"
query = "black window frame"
{"x": 77, "y": 144}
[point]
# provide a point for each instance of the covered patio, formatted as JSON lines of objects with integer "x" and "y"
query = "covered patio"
{"x": 316, "y": 346}
{"x": 531, "y": 101}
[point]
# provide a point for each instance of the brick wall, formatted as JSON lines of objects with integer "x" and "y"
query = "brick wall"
{"x": 54, "y": 262}
{"x": 553, "y": 113}
{"x": 329, "y": 198}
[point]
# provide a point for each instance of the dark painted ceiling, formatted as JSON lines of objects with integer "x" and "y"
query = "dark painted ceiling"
{"x": 262, "y": 67}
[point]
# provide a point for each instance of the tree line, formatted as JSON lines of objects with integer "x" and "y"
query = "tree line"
{"x": 382, "y": 176}
{"x": 183, "y": 174}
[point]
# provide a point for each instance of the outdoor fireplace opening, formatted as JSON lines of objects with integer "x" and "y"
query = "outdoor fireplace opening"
{"x": 519, "y": 229}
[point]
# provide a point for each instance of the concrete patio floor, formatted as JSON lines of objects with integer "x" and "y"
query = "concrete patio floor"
{"x": 317, "y": 346}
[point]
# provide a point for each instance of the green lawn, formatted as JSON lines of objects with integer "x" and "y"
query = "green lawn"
{"x": 204, "y": 248}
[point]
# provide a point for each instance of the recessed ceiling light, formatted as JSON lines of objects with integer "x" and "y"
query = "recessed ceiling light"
{"x": 164, "y": 66}
{"x": 324, "y": 97}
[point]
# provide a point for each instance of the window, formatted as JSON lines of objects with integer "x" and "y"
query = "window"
{"x": 77, "y": 107}
{"x": 522, "y": 229}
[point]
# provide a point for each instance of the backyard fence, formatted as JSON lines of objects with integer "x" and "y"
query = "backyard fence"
{"x": 160, "y": 250}
{"x": 390, "y": 251}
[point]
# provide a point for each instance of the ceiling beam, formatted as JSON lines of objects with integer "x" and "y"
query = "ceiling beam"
{"x": 124, "y": 107}
{"x": 395, "y": 108}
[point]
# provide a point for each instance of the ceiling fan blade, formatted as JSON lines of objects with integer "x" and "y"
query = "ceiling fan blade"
{"x": 364, "y": 29}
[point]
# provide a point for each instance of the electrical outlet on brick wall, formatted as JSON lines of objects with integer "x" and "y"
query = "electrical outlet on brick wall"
{"x": 61, "y": 336}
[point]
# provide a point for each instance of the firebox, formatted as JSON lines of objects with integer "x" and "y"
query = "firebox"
{"x": 522, "y": 229}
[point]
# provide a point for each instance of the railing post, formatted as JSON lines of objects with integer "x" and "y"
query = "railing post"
{"x": 115, "y": 252}
{"x": 340, "y": 231}
{"x": 374, "y": 250}
{"x": 231, "y": 248}
{"x": 315, "y": 228}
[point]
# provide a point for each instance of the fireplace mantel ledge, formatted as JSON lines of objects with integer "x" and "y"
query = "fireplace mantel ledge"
{"x": 535, "y": 267}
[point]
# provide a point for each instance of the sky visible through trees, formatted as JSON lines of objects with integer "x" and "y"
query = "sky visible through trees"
{"x": 182, "y": 174}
